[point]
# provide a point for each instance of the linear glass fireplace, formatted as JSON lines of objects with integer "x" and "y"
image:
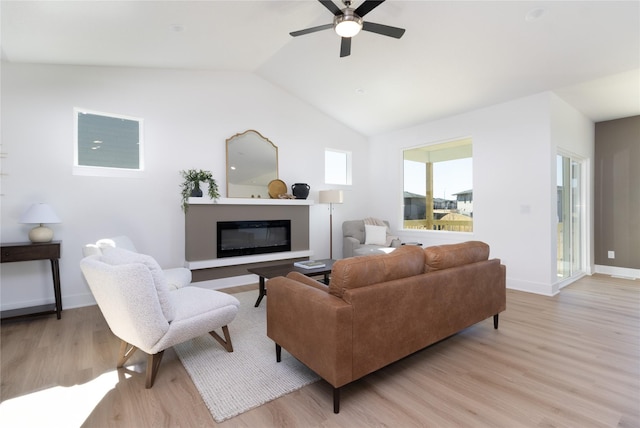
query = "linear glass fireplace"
{"x": 242, "y": 238}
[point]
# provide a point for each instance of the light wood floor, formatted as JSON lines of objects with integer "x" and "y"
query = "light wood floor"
{"x": 572, "y": 360}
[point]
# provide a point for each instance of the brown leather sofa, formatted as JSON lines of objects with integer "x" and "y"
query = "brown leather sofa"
{"x": 378, "y": 309}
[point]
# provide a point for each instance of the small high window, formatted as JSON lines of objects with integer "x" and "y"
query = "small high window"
{"x": 337, "y": 167}
{"x": 107, "y": 144}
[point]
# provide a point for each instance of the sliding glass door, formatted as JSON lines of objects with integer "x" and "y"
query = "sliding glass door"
{"x": 570, "y": 217}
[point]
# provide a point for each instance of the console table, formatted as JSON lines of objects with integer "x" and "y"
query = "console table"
{"x": 27, "y": 251}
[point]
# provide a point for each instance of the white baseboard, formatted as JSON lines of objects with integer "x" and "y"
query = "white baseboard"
{"x": 618, "y": 271}
{"x": 532, "y": 287}
{"x": 78, "y": 301}
{"x": 68, "y": 302}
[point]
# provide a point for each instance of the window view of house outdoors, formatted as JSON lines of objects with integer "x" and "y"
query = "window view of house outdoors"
{"x": 438, "y": 187}
{"x": 337, "y": 167}
{"x": 106, "y": 141}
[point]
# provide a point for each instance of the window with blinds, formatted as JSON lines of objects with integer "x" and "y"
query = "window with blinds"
{"x": 107, "y": 144}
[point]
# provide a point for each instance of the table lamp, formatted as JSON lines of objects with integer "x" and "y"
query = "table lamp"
{"x": 331, "y": 197}
{"x": 39, "y": 213}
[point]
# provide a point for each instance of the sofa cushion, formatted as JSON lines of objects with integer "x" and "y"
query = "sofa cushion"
{"x": 120, "y": 256}
{"x": 441, "y": 257}
{"x": 355, "y": 272}
{"x": 376, "y": 235}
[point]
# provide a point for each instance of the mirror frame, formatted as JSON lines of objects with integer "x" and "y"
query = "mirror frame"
{"x": 265, "y": 140}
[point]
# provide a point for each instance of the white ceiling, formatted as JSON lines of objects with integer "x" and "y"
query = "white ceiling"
{"x": 455, "y": 56}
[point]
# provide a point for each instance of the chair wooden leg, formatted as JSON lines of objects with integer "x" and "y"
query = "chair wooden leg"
{"x": 153, "y": 363}
{"x": 496, "y": 317}
{"x": 126, "y": 351}
{"x": 336, "y": 400}
{"x": 278, "y": 353}
{"x": 226, "y": 342}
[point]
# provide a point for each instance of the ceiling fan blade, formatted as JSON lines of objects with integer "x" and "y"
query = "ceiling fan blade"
{"x": 331, "y": 6}
{"x": 345, "y": 47}
{"x": 385, "y": 30}
{"x": 311, "y": 30}
{"x": 367, "y": 7}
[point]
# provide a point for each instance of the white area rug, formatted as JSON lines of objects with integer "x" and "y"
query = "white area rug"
{"x": 231, "y": 383}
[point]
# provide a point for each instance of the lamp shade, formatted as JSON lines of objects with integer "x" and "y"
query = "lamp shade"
{"x": 331, "y": 197}
{"x": 39, "y": 213}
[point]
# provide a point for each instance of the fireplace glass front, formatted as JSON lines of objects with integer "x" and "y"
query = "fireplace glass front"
{"x": 242, "y": 238}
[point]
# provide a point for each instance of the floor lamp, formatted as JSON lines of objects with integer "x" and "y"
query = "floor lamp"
{"x": 331, "y": 197}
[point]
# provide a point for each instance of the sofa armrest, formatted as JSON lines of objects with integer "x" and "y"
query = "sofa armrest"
{"x": 349, "y": 245}
{"x": 297, "y": 276}
{"x": 313, "y": 326}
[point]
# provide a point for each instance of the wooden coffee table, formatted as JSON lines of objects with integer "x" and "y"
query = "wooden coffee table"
{"x": 268, "y": 272}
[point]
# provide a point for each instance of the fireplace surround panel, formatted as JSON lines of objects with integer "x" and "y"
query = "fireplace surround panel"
{"x": 201, "y": 225}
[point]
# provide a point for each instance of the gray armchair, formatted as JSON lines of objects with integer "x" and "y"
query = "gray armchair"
{"x": 354, "y": 240}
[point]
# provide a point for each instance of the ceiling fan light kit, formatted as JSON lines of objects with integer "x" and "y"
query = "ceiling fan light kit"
{"x": 348, "y": 22}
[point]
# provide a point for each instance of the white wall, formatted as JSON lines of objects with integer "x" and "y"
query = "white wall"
{"x": 187, "y": 117}
{"x": 513, "y": 180}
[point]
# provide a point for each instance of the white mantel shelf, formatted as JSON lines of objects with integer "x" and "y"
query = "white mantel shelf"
{"x": 249, "y": 201}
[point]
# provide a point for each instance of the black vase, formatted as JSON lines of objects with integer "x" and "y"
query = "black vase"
{"x": 300, "y": 190}
{"x": 196, "y": 192}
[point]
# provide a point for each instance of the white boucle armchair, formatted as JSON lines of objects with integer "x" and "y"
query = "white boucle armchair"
{"x": 133, "y": 295}
{"x": 176, "y": 277}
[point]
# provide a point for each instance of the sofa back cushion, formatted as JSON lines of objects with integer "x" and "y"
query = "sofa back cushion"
{"x": 441, "y": 257}
{"x": 120, "y": 256}
{"x": 355, "y": 272}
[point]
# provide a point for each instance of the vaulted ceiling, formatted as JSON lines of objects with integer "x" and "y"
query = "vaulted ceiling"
{"x": 455, "y": 56}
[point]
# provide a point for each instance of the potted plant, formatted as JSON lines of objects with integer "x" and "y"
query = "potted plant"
{"x": 191, "y": 185}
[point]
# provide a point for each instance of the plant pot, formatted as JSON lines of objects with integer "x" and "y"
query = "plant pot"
{"x": 196, "y": 192}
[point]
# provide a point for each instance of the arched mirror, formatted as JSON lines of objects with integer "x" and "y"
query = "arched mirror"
{"x": 252, "y": 162}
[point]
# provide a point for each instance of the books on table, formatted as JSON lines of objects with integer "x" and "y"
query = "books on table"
{"x": 309, "y": 264}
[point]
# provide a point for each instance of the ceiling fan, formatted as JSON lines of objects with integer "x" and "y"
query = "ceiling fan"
{"x": 348, "y": 22}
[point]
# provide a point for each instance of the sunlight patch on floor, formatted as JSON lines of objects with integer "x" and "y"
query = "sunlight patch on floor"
{"x": 59, "y": 406}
